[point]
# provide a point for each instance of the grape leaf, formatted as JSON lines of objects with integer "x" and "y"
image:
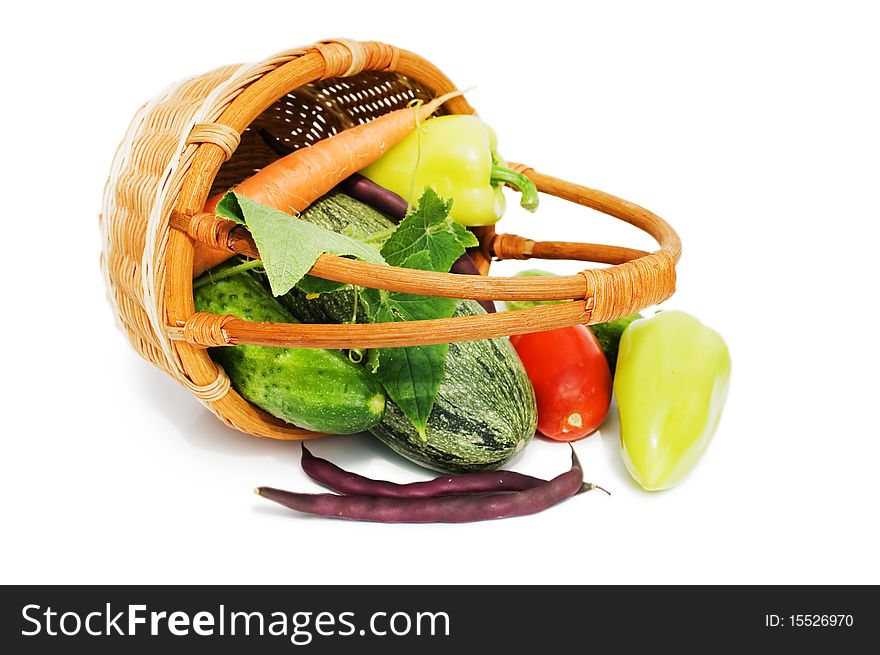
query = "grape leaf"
{"x": 429, "y": 240}
{"x": 431, "y": 230}
{"x": 289, "y": 247}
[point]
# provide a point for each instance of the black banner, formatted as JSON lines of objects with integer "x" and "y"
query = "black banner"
{"x": 332, "y": 619}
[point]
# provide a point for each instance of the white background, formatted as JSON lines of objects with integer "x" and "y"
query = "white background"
{"x": 752, "y": 129}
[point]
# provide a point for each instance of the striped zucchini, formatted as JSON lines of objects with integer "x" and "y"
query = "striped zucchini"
{"x": 485, "y": 408}
{"x": 484, "y": 413}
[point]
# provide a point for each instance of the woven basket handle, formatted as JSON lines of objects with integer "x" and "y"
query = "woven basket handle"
{"x": 633, "y": 284}
{"x": 600, "y": 294}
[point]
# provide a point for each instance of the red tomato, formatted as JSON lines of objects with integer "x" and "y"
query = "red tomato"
{"x": 571, "y": 378}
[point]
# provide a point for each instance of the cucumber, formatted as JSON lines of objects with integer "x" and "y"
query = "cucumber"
{"x": 320, "y": 390}
{"x": 485, "y": 408}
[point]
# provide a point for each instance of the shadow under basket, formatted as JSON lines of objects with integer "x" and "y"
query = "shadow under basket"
{"x": 206, "y": 133}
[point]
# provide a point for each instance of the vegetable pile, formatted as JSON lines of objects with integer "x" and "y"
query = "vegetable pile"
{"x": 403, "y": 191}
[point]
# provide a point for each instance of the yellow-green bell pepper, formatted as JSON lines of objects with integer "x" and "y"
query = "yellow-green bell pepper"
{"x": 455, "y": 155}
{"x": 671, "y": 383}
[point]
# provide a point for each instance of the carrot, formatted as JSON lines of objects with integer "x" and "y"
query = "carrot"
{"x": 295, "y": 181}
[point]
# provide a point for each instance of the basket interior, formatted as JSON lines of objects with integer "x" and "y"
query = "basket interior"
{"x": 314, "y": 112}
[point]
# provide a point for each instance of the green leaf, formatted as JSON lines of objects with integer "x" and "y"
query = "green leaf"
{"x": 290, "y": 247}
{"x": 373, "y": 360}
{"x": 228, "y": 207}
{"x": 429, "y": 240}
{"x": 311, "y": 285}
{"x": 411, "y": 375}
{"x": 414, "y": 373}
{"x": 430, "y": 230}
{"x": 465, "y": 237}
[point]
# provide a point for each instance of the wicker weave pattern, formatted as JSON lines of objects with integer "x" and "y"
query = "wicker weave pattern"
{"x": 314, "y": 112}
{"x": 147, "y": 171}
{"x": 211, "y": 131}
{"x": 139, "y": 170}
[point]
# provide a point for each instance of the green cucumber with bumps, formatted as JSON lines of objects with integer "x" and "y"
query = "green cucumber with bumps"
{"x": 320, "y": 390}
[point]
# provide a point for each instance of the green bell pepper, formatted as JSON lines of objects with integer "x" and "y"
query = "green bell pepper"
{"x": 671, "y": 384}
{"x": 456, "y": 156}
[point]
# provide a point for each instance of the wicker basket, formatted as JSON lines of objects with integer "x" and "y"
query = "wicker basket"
{"x": 204, "y": 134}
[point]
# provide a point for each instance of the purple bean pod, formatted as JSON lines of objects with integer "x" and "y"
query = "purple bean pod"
{"x": 345, "y": 482}
{"x": 442, "y": 509}
{"x": 376, "y": 196}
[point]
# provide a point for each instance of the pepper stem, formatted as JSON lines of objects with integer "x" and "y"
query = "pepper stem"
{"x": 527, "y": 189}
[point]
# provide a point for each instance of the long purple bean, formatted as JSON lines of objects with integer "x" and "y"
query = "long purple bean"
{"x": 345, "y": 482}
{"x": 376, "y": 196}
{"x": 443, "y": 509}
